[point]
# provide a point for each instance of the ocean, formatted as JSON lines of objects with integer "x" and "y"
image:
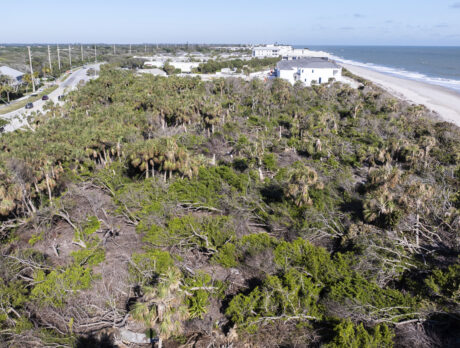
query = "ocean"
{"x": 434, "y": 65}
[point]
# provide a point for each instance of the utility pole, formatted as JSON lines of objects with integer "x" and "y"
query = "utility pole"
{"x": 130, "y": 49}
{"x": 95, "y": 54}
{"x": 81, "y": 47}
{"x": 145, "y": 48}
{"x": 59, "y": 58}
{"x": 31, "y": 70}
{"x": 114, "y": 49}
{"x": 49, "y": 59}
{"x": 70, "y": 57}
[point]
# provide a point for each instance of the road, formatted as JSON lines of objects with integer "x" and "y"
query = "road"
{"x": 17, "y": 118}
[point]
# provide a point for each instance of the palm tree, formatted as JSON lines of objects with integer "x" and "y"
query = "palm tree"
{"x": 427, "y": 143}
{"x": 6, "y": 86}
{"x": 299, "y": 182}
{"x": 379, "y": 207}
{"x": 46, "y": 71}
{"x": 163, "y": 305}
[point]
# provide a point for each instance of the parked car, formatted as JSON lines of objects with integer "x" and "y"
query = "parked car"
{"x": 45, "y": 97}
{"x": 34, "y": 94}
{"x": 29, "y": 105}
{"x": 61, "y": 97}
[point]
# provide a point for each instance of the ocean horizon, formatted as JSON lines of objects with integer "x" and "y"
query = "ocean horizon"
{"x": 436, "y": 65}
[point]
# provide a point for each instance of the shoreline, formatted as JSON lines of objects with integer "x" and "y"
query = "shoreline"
{"x": 444, "y": 101}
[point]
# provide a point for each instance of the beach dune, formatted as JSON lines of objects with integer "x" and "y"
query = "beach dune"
{"x": 445, "y": 102}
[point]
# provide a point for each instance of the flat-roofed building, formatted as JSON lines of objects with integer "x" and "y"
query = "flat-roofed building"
{"x": 314, "y": 70}
{"x": 270, "y": 51}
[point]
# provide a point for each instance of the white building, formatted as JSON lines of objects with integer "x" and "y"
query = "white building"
{"x": 299, "y": 53}
{"x": 185, "y": 67}
{"x": 270, "y": 51}
{"x": 308, "y": 70}
{"x": 14, "y": 75}
{"x": 286, "y": 52}
{"x": 153, "y": 71}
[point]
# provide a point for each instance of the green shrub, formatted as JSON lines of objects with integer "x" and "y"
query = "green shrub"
{"x": 227, "y": 255}
{"x": 210, "y": 233}
{"x": 269, "y": 161}
{"x": 199, "y": 289}
{"x": 256, "y": 243}
{"x": 250, "y": 245}
{"x": 13, "y": 295}
{"x": 369, "y": 297}
{"x": 205, "y": 189}
{"x": 292, "y": 296}
{"x": 145, "y": 267}
{"x": 445, "y": 283}
{"x": 315, "y": 261}
{"x": 92, "y": 255}
{"x": 55, "y": 287}
{"x": 35, "y": 238}
{"x": 356, "y": 336}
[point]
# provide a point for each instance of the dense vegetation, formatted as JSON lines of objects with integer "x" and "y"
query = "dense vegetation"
{"x": 230, "y": 212}
{"x": 122, "y": 55}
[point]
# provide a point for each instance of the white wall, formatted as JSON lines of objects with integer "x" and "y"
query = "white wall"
{"x": 185, "y": 66}
{"x": 288, "y": 75}
{"x": 306, "y": 76}
{"x": 323, "y": 75}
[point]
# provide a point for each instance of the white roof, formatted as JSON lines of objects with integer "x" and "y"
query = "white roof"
{"x": 155, "y": 72}
{"x": 271, "y": 47}
{"x": 311, "y": 62}
{"x": 6, "y": 70}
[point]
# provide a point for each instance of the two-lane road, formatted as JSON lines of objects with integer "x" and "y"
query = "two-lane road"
{"x": 18, "y": 117}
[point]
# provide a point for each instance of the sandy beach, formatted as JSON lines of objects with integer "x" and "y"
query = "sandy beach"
{"x": 442, "y": 100}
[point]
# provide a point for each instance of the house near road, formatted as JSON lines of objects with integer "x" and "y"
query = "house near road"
{"x": 313, "y": 70}
{"x": 13, "y": 74}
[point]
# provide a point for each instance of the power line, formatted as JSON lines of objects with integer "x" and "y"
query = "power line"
{"x": 31, "y": 70}
{"x": 59, "y": 58}
{"x": 70, "y": 57}
{"x": 49, "y": 59}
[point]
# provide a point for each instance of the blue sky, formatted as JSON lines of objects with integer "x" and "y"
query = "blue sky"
{"x": 341, "y": 22}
